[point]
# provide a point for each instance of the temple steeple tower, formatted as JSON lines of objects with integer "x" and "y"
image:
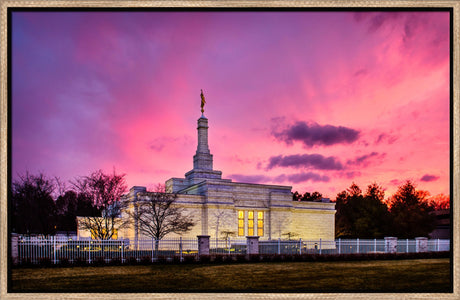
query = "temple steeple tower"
{"x": 202, "y": 160}
{"x": 203, "y": 157}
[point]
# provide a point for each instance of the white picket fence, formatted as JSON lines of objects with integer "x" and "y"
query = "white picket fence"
{"x": 73, "y": 249}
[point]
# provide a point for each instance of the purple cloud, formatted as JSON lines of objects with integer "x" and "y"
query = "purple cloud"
{"x": 250, "y": 178}
{"x": 351, "y": 174}
{"x": 315, "y": 161}
{"x": 376, "y": 20}
{"x": 364, "y": 160}
{"x": 292, "y": 178}
{"x": 395, "y": 182}
{"x": 309, "y": 176}
{"x": 429, "y": 178}
{"x": 361, "y": 72}
{"x": 315, "y": 134}
{"x": 383, "y": 137}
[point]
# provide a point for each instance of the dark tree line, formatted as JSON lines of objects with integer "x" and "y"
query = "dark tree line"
{"x": 406, "y": 214}
{"x": 42, "y": 205}
{"x": 315, "y": 196}
{"x": 33, "y": 207}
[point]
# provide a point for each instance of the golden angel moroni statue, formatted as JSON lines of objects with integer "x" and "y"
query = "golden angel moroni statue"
{"x": 202, "y": 102}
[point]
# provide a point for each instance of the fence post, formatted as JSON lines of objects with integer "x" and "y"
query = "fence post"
{"x": 407, "y": 245}
{"x": 421, "y": 244}
{"x": 300, "y": 246}
{"x": 437, "y": 246}
{"x": 229, "y": 245}
{"x": 180, "y": 249}
{"x": 279, "y": 245}
{"x": 203, "y": 245}
{"x": 122, "y": 249}
{"x": 357, "y": 245}
{"x": 152, "y": 250}
{"x": 252, "y": 243}
{"x": 375, "y": 245}
{"x": 54, "y": 249}
{"x": 340, "y": 244}
{"x": 391, "y": 244}
{"x": 320, "y": 246}
{"x": 15, "y": 248}
{"x": 89, "y": 251}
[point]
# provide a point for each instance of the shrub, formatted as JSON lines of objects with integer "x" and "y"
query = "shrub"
{"x": 131, "y": 261}
{"x": 189, "y": 258}
{"x": 64, "y": 262}
{"x": 162, "y": 259}
{"x": 226, "y": 258}
{"x": 240, "y": 258}
{"x": 218, "y": 258}
{"x": 253, "y": 257}
{"x": 44, "y": 262}
{"x": 297, "y": 257}
{"x": 176, "y": 259}
{"x": 26, "y": 263}
{"x": 145, "y": 260}
{"x": 115, "y": 262}
{"x": 98, "y": 261}
{"x": 205, "y": 258}
{"x": 79, "y": 261}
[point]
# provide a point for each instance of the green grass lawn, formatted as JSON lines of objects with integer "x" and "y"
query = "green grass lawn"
{"x": 418, "y": 275}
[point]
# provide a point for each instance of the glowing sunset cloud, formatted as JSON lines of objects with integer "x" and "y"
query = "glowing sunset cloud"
{"x": 315, "y": 100}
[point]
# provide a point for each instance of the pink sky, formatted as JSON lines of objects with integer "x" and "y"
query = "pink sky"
{"x": 313, "y": 100}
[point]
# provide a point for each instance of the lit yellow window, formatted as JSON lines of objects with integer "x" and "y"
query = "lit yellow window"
{"x": 250, "y": 223}
{"x": 260, "y": 223}
{"x": 240, "y": 223}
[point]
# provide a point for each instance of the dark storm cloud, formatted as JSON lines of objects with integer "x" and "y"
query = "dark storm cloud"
{"x": 428, "y": 178}
{"x": 314, "y": 161}
{"x": 315, "y": 134}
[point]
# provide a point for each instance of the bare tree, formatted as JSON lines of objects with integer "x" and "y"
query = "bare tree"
{"x": 226, "y": 234}
{"x": 280, "y": 223}
{"x": 104, "y": 192}
{"x": 221, "y": 218}
{"x": 290, "y": 234}
{"x": 60, "y": 189}
{"x": 158, "y": 215}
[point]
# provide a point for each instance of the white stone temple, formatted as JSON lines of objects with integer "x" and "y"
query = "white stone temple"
{"x": 219, "y": 206}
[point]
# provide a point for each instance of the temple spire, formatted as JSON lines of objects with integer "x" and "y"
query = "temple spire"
{"x": 203, "y": 102}
{"x": 202, "y": 160}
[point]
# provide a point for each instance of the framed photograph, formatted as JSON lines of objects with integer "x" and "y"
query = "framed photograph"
{"x": 160, "y": 149}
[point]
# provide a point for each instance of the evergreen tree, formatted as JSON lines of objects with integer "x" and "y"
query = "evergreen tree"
{"x": 410, "y": 212}
{"x": 361, "y": 216}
